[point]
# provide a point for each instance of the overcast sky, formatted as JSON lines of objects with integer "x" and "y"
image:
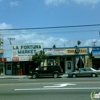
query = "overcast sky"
{"x": 50, "y": 13}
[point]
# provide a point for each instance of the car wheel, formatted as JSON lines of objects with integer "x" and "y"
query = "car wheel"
{"x": 34, "y": 76}
{"x": 74, "y": 75}
{"x": 93, "y": 75}
{"x": 55, "y": 75}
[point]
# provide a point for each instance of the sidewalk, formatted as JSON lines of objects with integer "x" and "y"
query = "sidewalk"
{"x": 65, "y": 75}
{"x": 13, "y": 76}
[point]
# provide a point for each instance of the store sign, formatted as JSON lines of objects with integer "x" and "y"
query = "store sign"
{"x": 78, "y": 51}
{"x": 55, "y": 52}
{"x": 24, "y": 52}
{"x": 15, "y": 59}
{"x": 96, "y": 52}
{"x": 1, "y": 51}
{"x": 3, "y": 59}
{"x": 96, "y": 48}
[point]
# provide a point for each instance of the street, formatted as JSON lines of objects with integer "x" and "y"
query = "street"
{"x": 49, "y": 88}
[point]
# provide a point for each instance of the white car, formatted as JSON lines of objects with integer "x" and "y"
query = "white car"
{"x": 85, "y": 72}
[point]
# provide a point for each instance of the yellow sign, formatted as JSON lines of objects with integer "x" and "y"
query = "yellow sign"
{"x": 73, "y": 51}
{"x": 1, "y": 51}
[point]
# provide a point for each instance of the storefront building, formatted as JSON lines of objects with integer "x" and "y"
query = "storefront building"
{"x": 69, "y": 59}
{"x": 21, "y": 55}
{"x": 96, "y": 57}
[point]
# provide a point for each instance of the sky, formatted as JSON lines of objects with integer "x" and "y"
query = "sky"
{"x": 19, "y": 14}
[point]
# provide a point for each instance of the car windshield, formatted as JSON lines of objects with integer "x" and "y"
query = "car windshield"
{"x": 92, "y": 69}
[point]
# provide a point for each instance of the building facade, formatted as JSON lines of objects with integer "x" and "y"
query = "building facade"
{"x": 70, "y": 59}
{"x": 96, "y": 57}
{"x": 21, "y": 56}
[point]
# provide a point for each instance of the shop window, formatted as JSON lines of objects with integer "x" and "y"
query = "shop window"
{"x": 9, "y": 67}
{"x": 68, "y": 58}
{"x": 50, "y": 62}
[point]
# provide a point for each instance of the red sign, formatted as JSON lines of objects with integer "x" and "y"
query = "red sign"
{"x": 15, "y": 59}
{"x": 3, "y": 59}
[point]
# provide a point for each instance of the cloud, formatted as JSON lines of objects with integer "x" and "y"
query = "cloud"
{"x": 16, "y": 3}
{"x": 25, "y": 36}
{"x": 5, "y": 26}
{"x": 31, "y": 36}
{"x": 34, "y": 37}
{"x": 86, "y": 1}
{"x": 55, "y": 2}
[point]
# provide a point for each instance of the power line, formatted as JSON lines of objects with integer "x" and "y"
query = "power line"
{"x": 42, "y": 32}
{"x": 75, "y": 26}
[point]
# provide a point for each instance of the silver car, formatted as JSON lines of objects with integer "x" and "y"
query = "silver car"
{"x": 85, "y": 72}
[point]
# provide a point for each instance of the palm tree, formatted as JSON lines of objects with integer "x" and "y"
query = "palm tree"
{"x": 78, "y": 42}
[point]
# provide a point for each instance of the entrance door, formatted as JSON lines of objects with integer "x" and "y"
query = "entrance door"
{"x": 8, "y": 69}
{"x": 69, "y": 66}
{"x": 62, "y": 64}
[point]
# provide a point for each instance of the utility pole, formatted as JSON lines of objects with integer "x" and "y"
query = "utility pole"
{"x": 94, "y": 42}
{"x": 10, "y": 39}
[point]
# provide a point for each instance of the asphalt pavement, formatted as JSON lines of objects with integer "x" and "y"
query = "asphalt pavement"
{"x": 49, "y": 88}
{"x": 22, "y": 76}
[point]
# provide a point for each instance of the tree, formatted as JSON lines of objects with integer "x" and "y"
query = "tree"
{"x": 78, "y": 43}
{"x": 54, "y": 46}
{"x": 75, "y": 46}
{"x": 38, "y": 58}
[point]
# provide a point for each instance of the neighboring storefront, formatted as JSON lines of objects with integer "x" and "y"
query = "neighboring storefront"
{"x": 2, "y": 59}
{"x": 55, "y": 56}
{"x": 77, "y": 58}
{"x": 69, "y": 58}
{"x": 21, "y": 55}
{"x": 96, "y": 57}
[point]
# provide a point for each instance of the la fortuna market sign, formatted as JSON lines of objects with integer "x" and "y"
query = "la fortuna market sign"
{"x": 24, "y": 52}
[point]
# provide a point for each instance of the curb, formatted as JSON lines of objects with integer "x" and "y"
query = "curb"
{"x": 14, "y": 77}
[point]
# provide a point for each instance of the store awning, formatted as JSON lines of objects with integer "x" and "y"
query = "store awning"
{"x": 96, "y": 54}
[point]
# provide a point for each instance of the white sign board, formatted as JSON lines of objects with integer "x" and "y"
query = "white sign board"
{"x": 51, "y": 52}
{"x": 25, "y": 51}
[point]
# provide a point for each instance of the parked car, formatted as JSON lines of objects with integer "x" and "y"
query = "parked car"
{"x": 85, "y": 72}
{"x": 54, "y": 71}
